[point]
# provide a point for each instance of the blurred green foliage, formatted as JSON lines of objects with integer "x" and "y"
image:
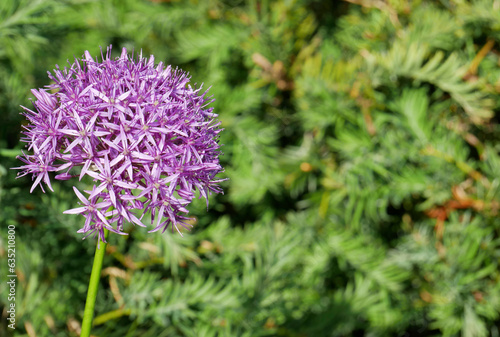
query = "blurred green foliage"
{"x": 361, "y": 143}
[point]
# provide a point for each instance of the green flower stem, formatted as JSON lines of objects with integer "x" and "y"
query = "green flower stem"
{"x": 88, "y": 314}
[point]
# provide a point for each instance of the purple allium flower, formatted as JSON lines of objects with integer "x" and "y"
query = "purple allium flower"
{"x": 145, "y": 136}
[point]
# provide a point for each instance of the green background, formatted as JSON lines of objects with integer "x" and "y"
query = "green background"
{"x": 361, "y": 145}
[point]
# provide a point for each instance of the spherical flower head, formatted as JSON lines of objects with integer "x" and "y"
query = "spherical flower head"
{"x": 139, "y": 130}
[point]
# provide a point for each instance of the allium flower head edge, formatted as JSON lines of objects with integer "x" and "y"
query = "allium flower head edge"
{"x": 138, "y": 129}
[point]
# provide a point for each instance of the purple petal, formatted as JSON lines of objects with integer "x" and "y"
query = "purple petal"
{"x": 75, "y": 210}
